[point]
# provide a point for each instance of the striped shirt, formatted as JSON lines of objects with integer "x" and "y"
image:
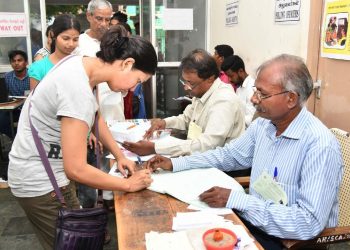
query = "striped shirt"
{"x": 16, "y": 86}
{"x": 309, "y": 163}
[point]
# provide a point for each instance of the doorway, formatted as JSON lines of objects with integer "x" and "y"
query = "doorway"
{"x": 171, "y": 46}
{"x": 332, "y": 105}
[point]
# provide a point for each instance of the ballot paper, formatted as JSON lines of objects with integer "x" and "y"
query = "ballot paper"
{"x": 189, "y": 184}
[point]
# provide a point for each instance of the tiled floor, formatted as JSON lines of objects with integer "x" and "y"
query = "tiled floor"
{"x": 16, "y": 232}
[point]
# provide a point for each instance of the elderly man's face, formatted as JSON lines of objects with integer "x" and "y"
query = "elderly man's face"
{"x": 99, "y": 21}
{"x": 270, "y": 99}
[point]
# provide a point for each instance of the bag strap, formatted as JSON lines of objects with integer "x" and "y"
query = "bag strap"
{"x": 44, "y": 159}
{"x": 39, "y": 145}
{"x": 97, "y": 149}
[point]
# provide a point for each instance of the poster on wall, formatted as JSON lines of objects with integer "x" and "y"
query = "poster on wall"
{"x": 13, "y": 24}
{"x": 335, "y": 37}
{"x": 177, "y": 19}
{"x": 287, "y": 11}
{"x": 232, "y": 12}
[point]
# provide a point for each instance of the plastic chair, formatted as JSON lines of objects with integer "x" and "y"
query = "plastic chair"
{"x": 342, "y": 231}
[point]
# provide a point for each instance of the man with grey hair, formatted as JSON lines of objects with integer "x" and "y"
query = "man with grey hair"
{"x": 99, "y": 13}
{"x": 296, "y": 161}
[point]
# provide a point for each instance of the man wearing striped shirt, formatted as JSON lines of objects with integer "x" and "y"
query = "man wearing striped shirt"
{"x": 288, "y": 138}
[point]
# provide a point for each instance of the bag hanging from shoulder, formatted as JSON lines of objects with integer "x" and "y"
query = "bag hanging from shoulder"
{"x": 81, "y": 229}
{"x": 76, "y": 229}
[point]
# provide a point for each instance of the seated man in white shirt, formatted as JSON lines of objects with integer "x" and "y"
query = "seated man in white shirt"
{"x": 214, "y": 118}
{"x": 234, "y": 68}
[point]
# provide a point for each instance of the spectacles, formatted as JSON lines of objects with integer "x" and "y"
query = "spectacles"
{"x": 189, "y": 86}
{"x": 261, "y": 97}
{"x": 100, "y": 19}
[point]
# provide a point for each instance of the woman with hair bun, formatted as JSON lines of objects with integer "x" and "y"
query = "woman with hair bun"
{"x": 63, "y": 108}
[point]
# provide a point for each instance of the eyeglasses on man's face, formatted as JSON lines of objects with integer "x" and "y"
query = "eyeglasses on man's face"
{"x": 189, "y": 85}
{"x": 261, "y": 96}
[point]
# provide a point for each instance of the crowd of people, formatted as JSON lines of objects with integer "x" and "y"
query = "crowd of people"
{"x": 235, "y": 122}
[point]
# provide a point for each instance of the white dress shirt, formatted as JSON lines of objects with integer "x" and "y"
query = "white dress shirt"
{"x": 218, "y": 112}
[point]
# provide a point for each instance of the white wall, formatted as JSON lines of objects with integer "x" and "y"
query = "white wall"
{"x": 256, "y": 37}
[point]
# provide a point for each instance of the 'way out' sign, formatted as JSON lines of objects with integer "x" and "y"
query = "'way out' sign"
{"x": 13, "y": 24}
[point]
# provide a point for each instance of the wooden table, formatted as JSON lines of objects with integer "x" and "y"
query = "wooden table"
{"x": 144, "y": 211}
{"x": 10, "y": 107}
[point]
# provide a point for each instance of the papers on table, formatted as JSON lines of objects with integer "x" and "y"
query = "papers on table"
{"x": 183, "y": 98}
{"x": 183, "y": 186}
{"x": 193, "y": 226}
{"x": 131, "y": 156}
{"x": 169, "y": 241}
{"x": 132, "y": 131}
{"x": 18, "y": 96}
{"x": 189, "y": 184}
{"x": 184, "y": 221}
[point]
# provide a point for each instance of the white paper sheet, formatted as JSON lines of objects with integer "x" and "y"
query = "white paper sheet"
{"x": 192, "y": 238}
{"x": 132, "y": 131}
{"x": 188, "y": 185}
{"x": 177, "y": 19}
{"x": 168, "y": 241}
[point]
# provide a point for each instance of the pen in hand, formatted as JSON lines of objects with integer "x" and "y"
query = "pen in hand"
{"x": 139, "y": 161}
{"x": 121, "y": 143}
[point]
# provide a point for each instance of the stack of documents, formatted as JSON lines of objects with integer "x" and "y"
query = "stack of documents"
{"x": 190, "y": 220}
{"x": 132, "y": 131}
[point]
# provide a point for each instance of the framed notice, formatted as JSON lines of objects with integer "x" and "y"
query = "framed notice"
{"x": 232, "y": 12}
{"x": 13, "y": 24}
{"x": 287, "y": 11}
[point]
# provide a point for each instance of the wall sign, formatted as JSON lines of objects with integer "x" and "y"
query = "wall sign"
{"x": 13, "y": 24}
{"x": 287, "y": 11}
{"x": 335, "y": 30}
{"x": 232, "y": 12}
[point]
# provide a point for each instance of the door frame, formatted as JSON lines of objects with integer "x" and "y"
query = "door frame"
{"x": 174, "y": 64}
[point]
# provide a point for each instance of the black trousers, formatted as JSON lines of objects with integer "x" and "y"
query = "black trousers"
{"x": 268, "y": 242}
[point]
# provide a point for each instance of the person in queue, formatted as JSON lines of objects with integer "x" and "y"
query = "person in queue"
{"x": 98, "y": 15}
{"x": 221, "y": 52}
{"x": 62, "y": 110}
{"x": 287, "y": 145}
{"x": 46, "y": 50}
{"x": 234, "y": 68}
{"x": 214, "y": 117}
{"x": 65, "y": 32}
